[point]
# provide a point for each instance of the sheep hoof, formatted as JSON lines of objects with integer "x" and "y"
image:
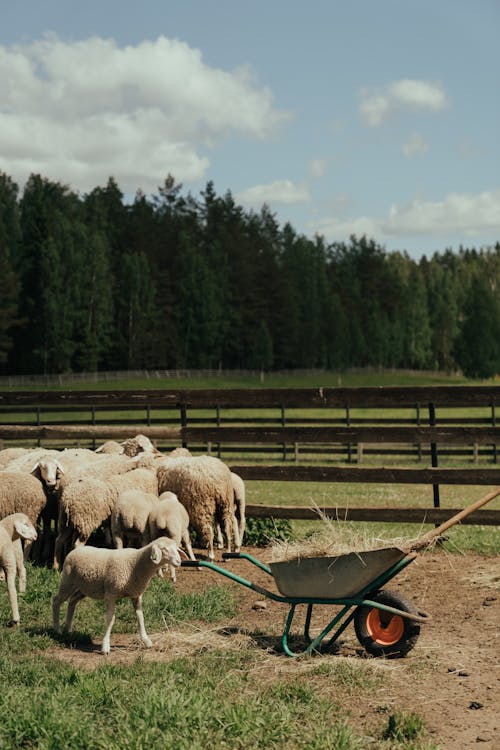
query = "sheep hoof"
{"x": 13, "y": 623}
{"x": 148, "y": 642}
{"x": 104, "y": 651}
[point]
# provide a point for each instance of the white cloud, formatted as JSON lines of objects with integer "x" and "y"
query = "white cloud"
{"x": 317, "y": 168}
{"x": 279, "y": 191}
{"x": 81, "y": 111}
{"x": 377, "y": 106}
{"x": 458, "y": 214}
{"x": 415, "y": 144}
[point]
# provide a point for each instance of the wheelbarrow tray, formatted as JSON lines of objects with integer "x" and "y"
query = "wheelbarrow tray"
{"x": 339, "y": 577}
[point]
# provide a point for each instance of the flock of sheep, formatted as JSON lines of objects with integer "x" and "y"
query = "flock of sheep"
{"x": 142, "y": 502}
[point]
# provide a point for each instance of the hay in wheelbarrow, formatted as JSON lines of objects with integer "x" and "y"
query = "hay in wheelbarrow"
{"x": 339, "y": 561}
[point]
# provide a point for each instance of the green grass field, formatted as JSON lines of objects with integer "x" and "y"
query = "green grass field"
{"x": 228, "y": 697}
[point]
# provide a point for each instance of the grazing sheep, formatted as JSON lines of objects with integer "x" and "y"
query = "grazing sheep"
{"x": 129, "y": 518}
{"x": 168, "y": 517}
{"x": 203, "y": 485}
{"x": 13, "y": 528}
{"x": 87, "y": 503}
{"x": 110, "y": 575}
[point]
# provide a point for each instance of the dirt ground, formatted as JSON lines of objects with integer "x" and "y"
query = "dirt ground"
{"x": 451, "y": 678}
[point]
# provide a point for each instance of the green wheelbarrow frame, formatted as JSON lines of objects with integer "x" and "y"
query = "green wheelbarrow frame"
{"x": 362, "y": 598}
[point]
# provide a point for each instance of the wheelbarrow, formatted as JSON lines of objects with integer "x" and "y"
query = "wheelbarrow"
{"x": 385, "y": 623}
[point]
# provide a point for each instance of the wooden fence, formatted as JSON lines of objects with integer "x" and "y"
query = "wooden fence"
{"x": 302, "y": 427}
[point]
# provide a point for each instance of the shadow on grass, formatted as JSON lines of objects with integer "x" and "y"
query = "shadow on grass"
{"x": 75, "y": 639}
{"x": 273, "y": 644}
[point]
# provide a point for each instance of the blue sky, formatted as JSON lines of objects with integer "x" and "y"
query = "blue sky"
{"x": 361, "y": 117}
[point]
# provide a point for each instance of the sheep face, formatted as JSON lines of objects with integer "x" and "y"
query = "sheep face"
{"x": 164, "y": 551}
{"x": 49, "y": 470}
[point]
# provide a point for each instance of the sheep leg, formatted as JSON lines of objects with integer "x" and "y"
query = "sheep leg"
{"x": 10, "y": 574}
{"x": 76, "y": 597}
{"x": 186, "y": 540}
{"x": 21, "y": 570}
{"x": 237, "y": 537}
{"x": 110, "y": 621}
{"x": 137, "y": 602}
{"x": 60, "y": 551}
{"x": 220, "y": 540}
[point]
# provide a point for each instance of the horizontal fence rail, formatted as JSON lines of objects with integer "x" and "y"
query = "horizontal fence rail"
{"x": 332, "y": 425}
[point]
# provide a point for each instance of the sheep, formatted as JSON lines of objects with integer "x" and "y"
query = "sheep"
{"x": 168, "y": 517}
{"x": 129, "y": 517}
{"x": 239, "y": 510}
{"x": 21, "y": 493}
{"x": 203, "y": 485}
{"x": 138, "y": 444}
{"x": 87, "y": 503}
{"x": 111, "y": 574}
{"x": 110, "y": 446}
{"x": 13, "y": 528}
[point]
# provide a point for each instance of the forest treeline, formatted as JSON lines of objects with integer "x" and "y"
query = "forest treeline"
{"x": 94, "y": 282}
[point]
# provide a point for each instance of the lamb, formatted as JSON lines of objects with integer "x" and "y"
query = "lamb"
{"x": 168, "y": 517}
{"x": 13, "y": 528}
{"x": 87, "y": 503}
{"x": 203, "y": 485}
{"x": 110, "y": 575}
{"x": 129, "y": 518}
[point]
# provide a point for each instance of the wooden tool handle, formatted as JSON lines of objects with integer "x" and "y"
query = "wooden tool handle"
{"x": 431, "y": 535}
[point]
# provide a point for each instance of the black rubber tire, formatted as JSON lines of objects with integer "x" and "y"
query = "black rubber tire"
{"x": 406, "y": 631}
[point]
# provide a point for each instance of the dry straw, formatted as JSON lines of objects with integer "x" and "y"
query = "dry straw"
{"x": 335, "y": 538}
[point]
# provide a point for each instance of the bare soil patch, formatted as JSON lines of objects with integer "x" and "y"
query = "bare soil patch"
{"x": 451, "y": 678}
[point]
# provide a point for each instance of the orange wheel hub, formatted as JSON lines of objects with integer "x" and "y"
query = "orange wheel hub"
{"x": 386, "y": 630}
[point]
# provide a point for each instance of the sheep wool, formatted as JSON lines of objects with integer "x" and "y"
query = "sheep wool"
{"x": 204, "y": 486}
{"x": 109, "y": 575}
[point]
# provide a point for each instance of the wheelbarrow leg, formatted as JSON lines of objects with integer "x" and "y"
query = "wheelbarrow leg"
{"x": 313, "y": 644}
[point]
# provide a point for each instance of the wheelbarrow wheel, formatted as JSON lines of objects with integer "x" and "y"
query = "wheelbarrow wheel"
{"x": 382, "y": 633}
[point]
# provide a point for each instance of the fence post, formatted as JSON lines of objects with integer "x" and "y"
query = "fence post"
{"x": 493, "y": 424}
{"x": 419, "y": 445}
{"x": 217, "y": 412}
{"x": 283, "y": 423}
{"x": 348, "y": 424}
{"x": 434, "y": 455}
{"x": 183, "y": 422}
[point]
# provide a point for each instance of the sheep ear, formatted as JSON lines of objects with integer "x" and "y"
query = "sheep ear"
{"x": 60, "y": 469}
{"x": 182, "y": 554}
{"x": 156, "y": 554}
{"x": 24, "y": 531}
{"x": 36, "y": 469}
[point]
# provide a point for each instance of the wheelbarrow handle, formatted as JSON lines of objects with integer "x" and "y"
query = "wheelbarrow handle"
{"x": 231, "y": 555}
{"x": 190, "y": 564}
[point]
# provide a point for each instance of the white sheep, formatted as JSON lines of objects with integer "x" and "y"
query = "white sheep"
{"x": 110, "y": 446}
{"x": 13, "y": 528}
{"x": 204, "y": 486}
{"x": 129, "y": 518}
{"x": 111, "y": 574}
{"x": 168, "y": 517}
{"x": 86, "y": 504}
{"x": 138, "y": 444}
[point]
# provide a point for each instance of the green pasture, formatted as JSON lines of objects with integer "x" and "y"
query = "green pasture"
{"x": 215, "y": 694}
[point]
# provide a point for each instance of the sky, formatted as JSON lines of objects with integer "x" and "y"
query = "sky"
{"x": 368, "y": 117}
